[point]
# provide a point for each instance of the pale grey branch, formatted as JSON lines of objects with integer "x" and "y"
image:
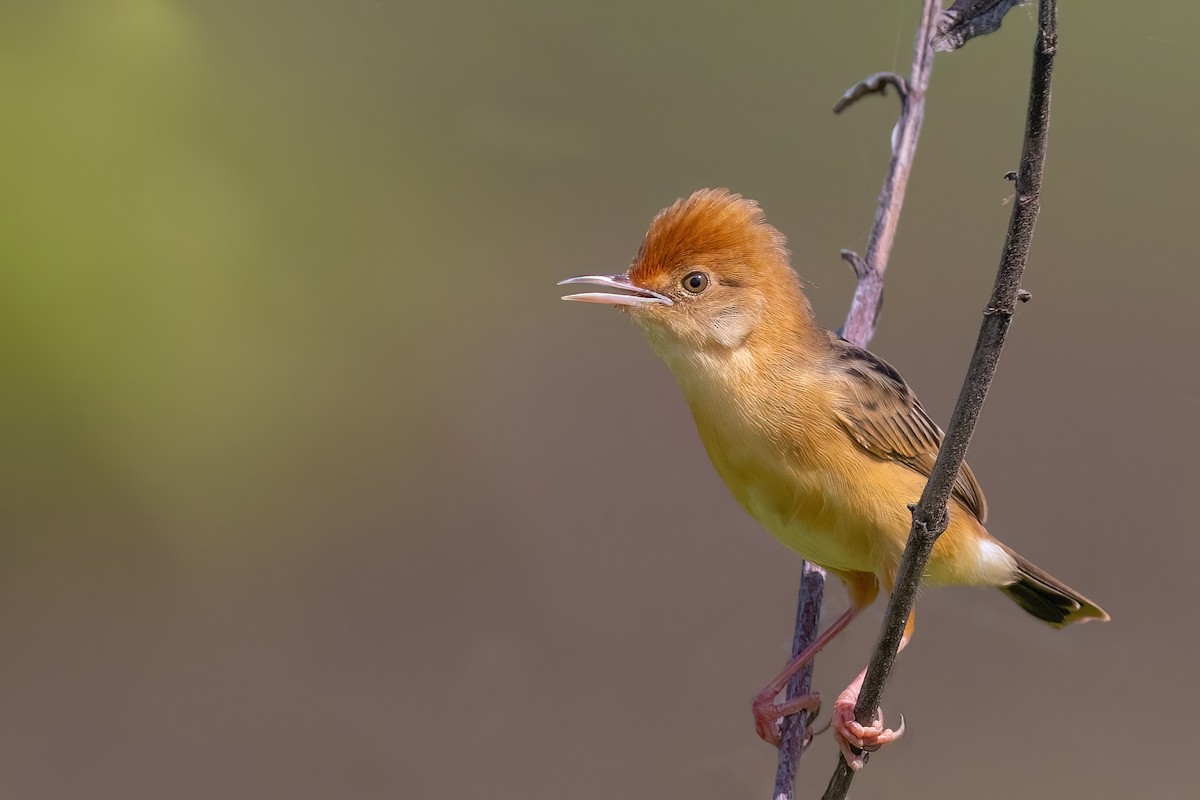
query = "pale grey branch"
{"x": 859, "y": 328}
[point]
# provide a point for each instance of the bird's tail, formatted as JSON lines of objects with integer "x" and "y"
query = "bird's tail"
{"x": 1048, "y": 598}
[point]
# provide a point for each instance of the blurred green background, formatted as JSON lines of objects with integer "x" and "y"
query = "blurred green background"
{"x": 311, "y": 487}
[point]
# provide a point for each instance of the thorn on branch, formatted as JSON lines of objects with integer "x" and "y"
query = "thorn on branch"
{"x": 861, "y": 270}
{"x": 875, "y": 84}
{"x": 1008, "y": 307}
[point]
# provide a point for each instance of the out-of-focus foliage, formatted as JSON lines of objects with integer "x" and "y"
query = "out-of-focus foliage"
{"x": 193, "y": 271}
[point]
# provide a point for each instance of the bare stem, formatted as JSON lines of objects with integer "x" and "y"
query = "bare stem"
{"x": 795, "y": 728}
{"x": 929, "y": 515}
{"x": 859, "y": 328}
{"x": 868, "y": 293}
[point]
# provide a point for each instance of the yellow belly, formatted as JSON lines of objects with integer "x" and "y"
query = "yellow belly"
{"x": 855, "y": 518}
{"x": 811, "y": 486}
{"x": 822, "y": 521}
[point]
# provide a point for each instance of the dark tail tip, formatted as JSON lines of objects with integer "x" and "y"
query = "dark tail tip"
{"x": 1048, "y": 598}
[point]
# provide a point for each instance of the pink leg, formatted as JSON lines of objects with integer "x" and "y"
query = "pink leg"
{"x": 767, "y": 712}
{"x": 855, "y": 740}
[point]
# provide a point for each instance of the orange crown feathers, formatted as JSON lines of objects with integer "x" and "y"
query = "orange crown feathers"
{"x": 715, "y": 226}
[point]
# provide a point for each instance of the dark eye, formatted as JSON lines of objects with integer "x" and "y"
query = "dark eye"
{"x": 695, "y": 282}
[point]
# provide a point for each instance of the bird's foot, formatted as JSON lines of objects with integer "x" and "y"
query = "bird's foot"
{"x": 858, "y": 741}
{"x": 768, "y": 715}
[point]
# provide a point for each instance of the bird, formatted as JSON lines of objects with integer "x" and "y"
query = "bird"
{"x": 821, "y": 441}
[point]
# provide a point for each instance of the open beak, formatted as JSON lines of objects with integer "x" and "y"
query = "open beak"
{"x": 634, "y": 295}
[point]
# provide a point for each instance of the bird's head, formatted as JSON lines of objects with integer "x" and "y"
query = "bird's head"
{"x": 709, "y": 273}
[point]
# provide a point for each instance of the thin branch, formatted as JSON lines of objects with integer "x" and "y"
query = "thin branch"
{"x": 929, "y": 515}
{"x": 859, "y": 328}
{"x": 868, "y": 294}
{"x": 795, "y": 732}
{"x": 874, "y": 84}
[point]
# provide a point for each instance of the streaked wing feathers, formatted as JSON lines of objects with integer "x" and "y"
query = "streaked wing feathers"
{"x": 883, "y": 415}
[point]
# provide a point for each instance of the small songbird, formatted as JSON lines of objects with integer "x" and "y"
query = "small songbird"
{"x": 819, "y": 440}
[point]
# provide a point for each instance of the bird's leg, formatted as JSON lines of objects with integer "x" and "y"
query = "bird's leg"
{"x": 767, "y": 712}
{"x": 857, "y": 741}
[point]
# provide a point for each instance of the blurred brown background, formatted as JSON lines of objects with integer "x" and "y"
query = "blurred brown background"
{"x": 311, "y": 487}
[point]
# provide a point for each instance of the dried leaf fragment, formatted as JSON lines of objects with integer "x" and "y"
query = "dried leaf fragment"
{"x": 967, "y": 19}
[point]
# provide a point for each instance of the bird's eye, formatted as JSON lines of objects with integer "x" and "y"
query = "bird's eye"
{"x": 695, "y": 282}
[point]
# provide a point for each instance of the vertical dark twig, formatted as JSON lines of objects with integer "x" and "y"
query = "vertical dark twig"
{"x": 859, "y": 328}
{"x": 929, "y": 515}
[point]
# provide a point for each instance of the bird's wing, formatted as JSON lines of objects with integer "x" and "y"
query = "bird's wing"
{"x": 885, "y": 418}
